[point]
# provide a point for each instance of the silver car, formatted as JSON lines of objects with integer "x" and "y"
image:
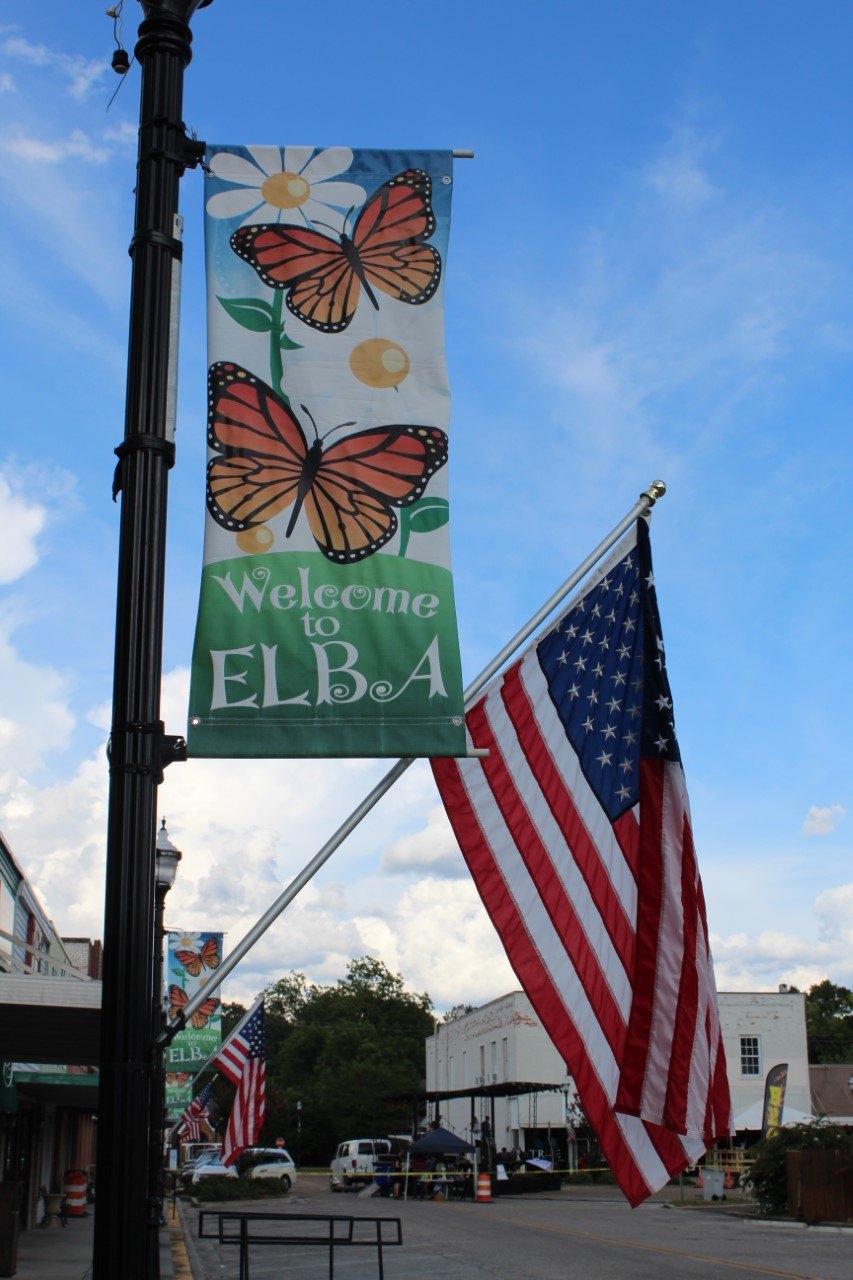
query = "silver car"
{"x": 268, "y": 1162}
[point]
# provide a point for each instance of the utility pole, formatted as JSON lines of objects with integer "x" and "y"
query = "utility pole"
{"x": 139, "y": 748}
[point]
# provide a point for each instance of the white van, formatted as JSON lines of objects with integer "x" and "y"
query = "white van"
{"x": 355, "y": 1160}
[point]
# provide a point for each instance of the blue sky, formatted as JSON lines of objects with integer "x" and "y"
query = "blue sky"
{"x": 649, "y": 275}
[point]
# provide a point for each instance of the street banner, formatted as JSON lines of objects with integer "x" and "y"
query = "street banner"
{"x": 327, "y": 622}
{"x": 774, "y": 1099}
{"x": 179, "y": 1094}
{"x": 192, "y": 958}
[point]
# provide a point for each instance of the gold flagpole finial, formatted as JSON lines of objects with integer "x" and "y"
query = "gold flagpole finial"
{"x": 656, "y": 490}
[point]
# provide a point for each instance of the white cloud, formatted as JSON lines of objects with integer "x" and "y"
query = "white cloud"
{"x": 822, "y": 821}
{"x": 36, "y": 715}
{"x": 431, "y": 850}
{"x": 677, "y": 175}
{"x": 7, "y": 83}
{"x": 759, "y": 962}
{"x": 694, "y": 305}
{"x": 834, "y": 909}
{"x": 82, "y": 74}
{"x": 22, "y": 520}
{"x": 76, "y": 146}
{"x": 447, "y": 945}
{"x": 125, "y": 135}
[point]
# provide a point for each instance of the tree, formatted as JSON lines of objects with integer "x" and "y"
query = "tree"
{"x": 352, "y": 1054}
{"x": 458, "y": 1011}
{"x": 829, "y": 1023}
{"x": 768, "y": 1179}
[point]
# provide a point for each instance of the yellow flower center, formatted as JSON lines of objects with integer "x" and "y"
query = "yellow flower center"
{"x": 255, "y": 541}
{"x": 286, "y": 190}
{"x": 378, "y": 362}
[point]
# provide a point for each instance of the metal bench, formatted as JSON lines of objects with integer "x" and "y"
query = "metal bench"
{"x": 245, "y": 1228}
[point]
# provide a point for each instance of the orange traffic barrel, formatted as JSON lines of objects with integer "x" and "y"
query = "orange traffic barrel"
{"x": 484, "y": 1188}
{"x": 74, "y": 1189}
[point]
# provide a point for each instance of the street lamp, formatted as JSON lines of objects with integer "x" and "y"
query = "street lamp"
{"x": 139, "y": 747}
{"x": 166, "y": 859}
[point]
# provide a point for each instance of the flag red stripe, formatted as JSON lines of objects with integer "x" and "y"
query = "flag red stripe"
{"x": 568, "y": 925}
{"x": 687, "y": 1006}
{"x": 231, "y": 1059}
{"x": 584, "y": 851}
{"x": 527, "y": 964}
{"x": 627, "y": 831}
{"x": 634, "y": 1060}
{"x": 247, "y": 1113}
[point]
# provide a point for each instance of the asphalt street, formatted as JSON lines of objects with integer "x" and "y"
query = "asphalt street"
{"x": 587, "y": 1233}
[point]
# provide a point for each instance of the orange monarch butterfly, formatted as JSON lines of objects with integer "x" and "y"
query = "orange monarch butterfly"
{"x": 193, "y": 961}
{"x": 178, "y": 1001}
{"x": 324, "y": 276}
{"x": 175, "y": 1078}
{"x": 348, "y": 489}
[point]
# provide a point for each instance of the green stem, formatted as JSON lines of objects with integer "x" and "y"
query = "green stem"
{"x": 276, "y": 363}
{"x": 404, "y": 532}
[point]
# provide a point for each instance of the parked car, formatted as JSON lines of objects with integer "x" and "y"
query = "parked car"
{"x": 209, "y": 1166}
{"x": 189, "y": 1167}
{"x": 268, "y": 1162}
{"x": 354, "y": 1162}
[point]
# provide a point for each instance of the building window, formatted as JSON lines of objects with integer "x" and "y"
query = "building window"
{"x": 750, "y": 1056}
{"x": 505, "y": 1055}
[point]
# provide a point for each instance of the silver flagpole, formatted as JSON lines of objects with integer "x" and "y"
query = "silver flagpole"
{"x": 646, "y": 501}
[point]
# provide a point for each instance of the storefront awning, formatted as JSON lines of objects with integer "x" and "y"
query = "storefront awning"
{"x": 50, "y": 1020}
{"x": 58, "y": 1088}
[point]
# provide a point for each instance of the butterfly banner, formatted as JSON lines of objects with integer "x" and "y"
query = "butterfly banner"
{"x": 327, "y": 622}
{"x": 192, "y": 958}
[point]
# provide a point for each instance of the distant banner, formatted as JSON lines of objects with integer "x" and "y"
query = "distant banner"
{"x": 179, "y": 1094}
{"x": 192, "y": 959}
{"x": 327, "y": 622}
{"x": 774, "y": 1099}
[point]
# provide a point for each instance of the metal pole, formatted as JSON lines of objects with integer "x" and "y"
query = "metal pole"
{"x": 158, "y": 1087}
{"x": 139, "y": 749}
{"x": 646, "y": 501}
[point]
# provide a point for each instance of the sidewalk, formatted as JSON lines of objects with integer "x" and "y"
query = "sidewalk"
{"x": 65, "y": 1253}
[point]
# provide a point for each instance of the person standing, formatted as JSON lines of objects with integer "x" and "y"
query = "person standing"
{"x": 486, "y": 1142}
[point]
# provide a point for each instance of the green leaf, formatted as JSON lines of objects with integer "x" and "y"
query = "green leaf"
{"x": 179, "y": 973}
{"x": 287, "y": 344}
{"x": 428, "y": 515}
{"x": 251, "y": 313}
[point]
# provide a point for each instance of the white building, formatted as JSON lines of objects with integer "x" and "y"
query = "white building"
{"x": 502, "y": 1047}
{"x": 760, "y": 1030}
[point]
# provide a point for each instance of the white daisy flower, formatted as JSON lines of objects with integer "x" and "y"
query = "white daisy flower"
{"x": 285, "y": 185}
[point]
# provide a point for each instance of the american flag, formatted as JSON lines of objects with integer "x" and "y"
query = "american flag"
{"x": 576, "y": 829}
{"x": 242, "y": 1060}
{"x": 198, "y": 1111}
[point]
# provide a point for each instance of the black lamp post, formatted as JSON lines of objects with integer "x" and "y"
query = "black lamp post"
{"x": 139, "y": 748}
{"x": 166, "y": 859}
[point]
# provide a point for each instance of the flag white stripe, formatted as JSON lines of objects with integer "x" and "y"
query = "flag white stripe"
{"x": 567, "y": 987}
{"x": 543, "y": 937}
{"x": 586, "y": 803}
{"x": 670, "y": 950}
{"x": 562, "y": 859}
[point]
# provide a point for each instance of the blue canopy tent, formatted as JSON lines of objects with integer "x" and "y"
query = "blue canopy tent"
{"x": 439, "y": 1142}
